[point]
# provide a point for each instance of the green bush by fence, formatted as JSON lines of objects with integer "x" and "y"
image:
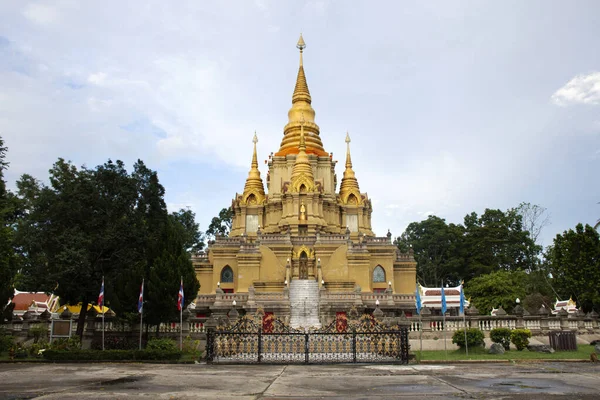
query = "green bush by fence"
{"x": 502, "y": 336}
{"x": 110, "y": 355}
{"x": 520, "y": 338}
{"x": 474, "y": 338}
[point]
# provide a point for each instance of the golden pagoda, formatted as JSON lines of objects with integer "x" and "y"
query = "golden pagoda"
{"x": 303, "y": 239}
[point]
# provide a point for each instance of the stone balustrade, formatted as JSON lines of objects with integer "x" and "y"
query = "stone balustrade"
{"x": 378, "y": 240}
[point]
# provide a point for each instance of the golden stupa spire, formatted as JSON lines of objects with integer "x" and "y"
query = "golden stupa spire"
{"x": 349, "y": 185}
{"x": 254, "y": 191}
{"x": 301, "y": 106}
{"x": 302, "y": 173}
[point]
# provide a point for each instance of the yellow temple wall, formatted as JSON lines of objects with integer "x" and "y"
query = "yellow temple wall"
{"x": 272, "y": 268}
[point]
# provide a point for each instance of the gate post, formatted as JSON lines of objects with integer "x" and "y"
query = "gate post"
{"x": 306, "y": 348}
{"x": 210, "y": 338}
{"x": 354, "y": 345}
{"x": 260, "y": 345}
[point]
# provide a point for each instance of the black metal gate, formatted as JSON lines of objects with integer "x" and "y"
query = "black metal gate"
{"x": 362, "y": 341}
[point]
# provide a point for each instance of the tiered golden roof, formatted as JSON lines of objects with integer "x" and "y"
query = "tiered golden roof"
{"x": 349, "y": 190}
{"x": 302, "y": 178}
{"x": 254, "y": 191}
{"x": 301, "y": 106}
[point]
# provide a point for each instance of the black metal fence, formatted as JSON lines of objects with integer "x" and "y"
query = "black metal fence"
{"x": 364, "y": 341}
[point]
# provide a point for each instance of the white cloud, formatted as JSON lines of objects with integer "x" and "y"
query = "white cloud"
{"x": 583, "y": 89}
{"x": 97, "y": 78}
{"x": 41, "y": 14}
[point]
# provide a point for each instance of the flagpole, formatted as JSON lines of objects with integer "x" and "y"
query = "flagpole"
{"x": 462, "y": 307}
{"x": 444, "y": 320}
{"x": 465, "y": 326}
{"x": 181, "y": 320}
{"x": 141, "y": 311}
{"x": 141, "y": 314}
{"x": 102, "y": 309}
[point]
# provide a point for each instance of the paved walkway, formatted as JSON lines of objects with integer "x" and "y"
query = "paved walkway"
{"x": 156, "y": 381}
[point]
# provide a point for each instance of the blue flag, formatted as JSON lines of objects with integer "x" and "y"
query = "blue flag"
{"x": 444, "y": 308}
{"x": 418, "y": 299}
{"x": 462, "y": 300}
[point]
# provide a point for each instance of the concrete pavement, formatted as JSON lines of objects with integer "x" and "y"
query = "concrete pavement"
{"x": 162, "y": 381}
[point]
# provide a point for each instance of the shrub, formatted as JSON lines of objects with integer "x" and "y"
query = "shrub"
{"x": 502, "y": 336}
{"x": 114, "y": 343}
{"x": 474, "y": 338}
{"x": 38, "y": 332}
{"x": 192, "y": 347}
{"x": 110, "y": 355}
{"x": 6, "y": 342}
{"x": 163, "y": 344}
{"x": 34, "y": 348}
{"x": 520, "y": 338}
{"x": 72, "y": 343}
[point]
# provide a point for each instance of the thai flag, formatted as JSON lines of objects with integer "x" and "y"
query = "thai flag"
{"x": 180, "y": 297}
{"x": 100, "y": 301}
{"x": 444, "y": 308}
{"x": 141, "y": 299}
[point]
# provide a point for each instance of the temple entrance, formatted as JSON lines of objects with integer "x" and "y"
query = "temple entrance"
{"x": 303, "y": 266}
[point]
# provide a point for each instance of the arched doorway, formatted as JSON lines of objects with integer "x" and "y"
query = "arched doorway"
{"x": 303, "y": 266}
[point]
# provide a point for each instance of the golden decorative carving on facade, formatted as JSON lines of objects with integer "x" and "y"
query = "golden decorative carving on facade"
{"x": 302, "y": 179}
{"x": 301, "y": 105}
{"x": 310, "y": 253}
{"x": 349, "y": 190}
{"x": 302, "y": 212}
{"x": 254, "y": 191}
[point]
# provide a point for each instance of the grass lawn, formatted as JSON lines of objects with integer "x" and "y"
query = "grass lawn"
{"x": 583, "y": 353}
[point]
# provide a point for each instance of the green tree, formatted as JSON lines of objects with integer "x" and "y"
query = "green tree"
{"x": 221, "y": 224}
{"x": 499, "y": 288}
{"x": 166, "y": 272}
{"x": 496, "y": 241}
{"x": 82, "y": 228}
{"x": 193, "y": 240}
{"x": 574, "y": 261}
{"x": 437, "y": 248}
{"x": 8, "y": 261}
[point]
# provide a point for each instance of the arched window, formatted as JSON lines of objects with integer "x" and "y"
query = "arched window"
{"x": 378, "y": 274}
{"x": 227, "y": 275}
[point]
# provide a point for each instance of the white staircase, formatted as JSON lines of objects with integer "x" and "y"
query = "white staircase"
{"x": 304, "y": 303}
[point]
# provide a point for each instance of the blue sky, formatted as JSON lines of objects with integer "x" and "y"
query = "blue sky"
{"x": 452, "y": 107}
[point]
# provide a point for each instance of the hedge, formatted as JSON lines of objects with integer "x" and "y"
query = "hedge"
{"x": 110, "y": 355}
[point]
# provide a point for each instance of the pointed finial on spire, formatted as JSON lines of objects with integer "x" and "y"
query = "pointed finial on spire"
{"x": 254, "y": 158}
{"x": 348, "y": 159}
{"x": 301, "y": 46}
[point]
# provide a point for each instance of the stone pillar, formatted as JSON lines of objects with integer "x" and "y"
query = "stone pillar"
{"x": 426, "y": 319}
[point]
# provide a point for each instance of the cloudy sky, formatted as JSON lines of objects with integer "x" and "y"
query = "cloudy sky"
{"x": 452, "y": 107}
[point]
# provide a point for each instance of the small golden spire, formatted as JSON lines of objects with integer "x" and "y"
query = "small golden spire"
{"x": 349, "y": 185}
{"x": 254, "y": 191}
{"x": 302, "y": 173}
{"x": 348, "y": 159}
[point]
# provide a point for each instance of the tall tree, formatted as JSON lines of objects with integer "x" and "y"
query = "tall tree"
{"x": 574, "y": 260}
{"x": 535, "y": 218}
{"x": 221, "y": 224}
{"x": 496, "y": 241}
{"x": 438, "y": 250}
{"x": 166, "y": 272}
{"x": 499, "y": 288}
{"x": 7, "y": 219}
{"x": 193, "y": 240}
